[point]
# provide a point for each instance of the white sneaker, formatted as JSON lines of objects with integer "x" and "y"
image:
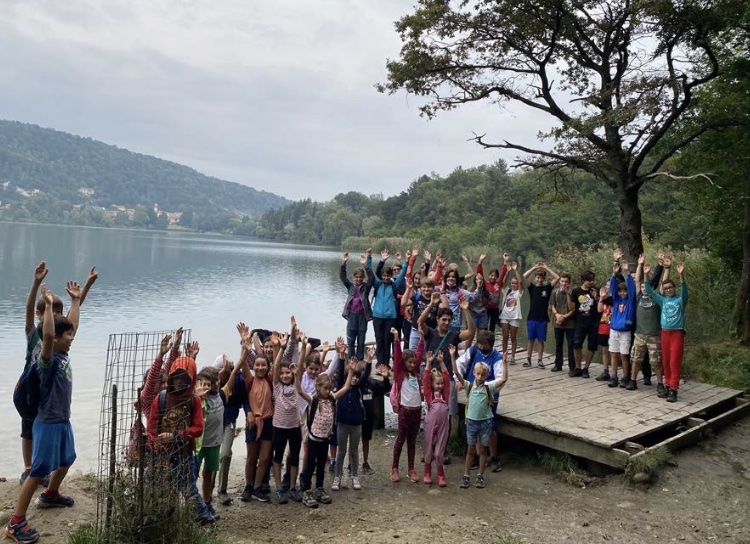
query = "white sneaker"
{"x": 355, "y": 483}
{"x": 336, "y": 485}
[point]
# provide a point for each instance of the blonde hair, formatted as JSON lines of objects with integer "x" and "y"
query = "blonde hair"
{"x": 484, "y": 367}
{"x": 322, "y": 379}
{"x": 435, "y": 373}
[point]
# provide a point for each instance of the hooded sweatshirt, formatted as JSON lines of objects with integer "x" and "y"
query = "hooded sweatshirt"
{"x": 183, "y": 415}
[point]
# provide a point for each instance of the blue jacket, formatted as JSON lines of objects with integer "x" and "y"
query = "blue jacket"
{"x": 623, "y": 309}
{"x": 384, "y": 305}
{"x": 350, "y": 409}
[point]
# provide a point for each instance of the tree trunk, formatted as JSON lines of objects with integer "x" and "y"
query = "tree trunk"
{"x": 631, "y": 224}
{"x": 741, "y": 314}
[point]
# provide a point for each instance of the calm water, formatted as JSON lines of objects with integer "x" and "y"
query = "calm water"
{"x": 153, "y": 281}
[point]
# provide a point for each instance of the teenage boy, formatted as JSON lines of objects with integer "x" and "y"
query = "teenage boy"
{"x": 584, "y": 298}
{"x": 53, "y": 445}
{"x": 540, "y": 294}
{"x": 563, "y": 311}
{"x": 647, "y": 341}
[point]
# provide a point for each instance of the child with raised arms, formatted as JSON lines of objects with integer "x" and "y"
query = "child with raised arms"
{"x": 479, "y": 415}
{"x": 406, "y": 399}
{"x": 320, "y": 419}
{"x": 350, "y": 415}
{"x": 437, "y": 389}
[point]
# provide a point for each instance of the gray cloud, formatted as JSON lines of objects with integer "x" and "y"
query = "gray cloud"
{"x": 277, "y": 95}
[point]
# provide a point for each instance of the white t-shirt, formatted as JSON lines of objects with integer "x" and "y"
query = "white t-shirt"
{"x": 410, "y": 395}
{"x": 511, "y": 304}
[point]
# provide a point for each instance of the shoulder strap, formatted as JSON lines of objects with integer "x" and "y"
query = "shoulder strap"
{"x": 311, "y": 411}
{"x": 162, "y": 407}
{"x": 489, "y": 395}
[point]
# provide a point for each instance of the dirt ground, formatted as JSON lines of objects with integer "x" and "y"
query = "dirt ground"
{"x": 702, "y": 497}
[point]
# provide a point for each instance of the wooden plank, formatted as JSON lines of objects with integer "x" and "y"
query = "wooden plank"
{"x": 612, "y": 457}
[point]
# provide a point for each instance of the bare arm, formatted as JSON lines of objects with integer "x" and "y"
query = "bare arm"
{"x": 74, "y": 313}
{"x": 90, "y": 280}
{"x": 39, "y": 274}
{"x": 456, "y": 373}
{"x": 48, "y": 329}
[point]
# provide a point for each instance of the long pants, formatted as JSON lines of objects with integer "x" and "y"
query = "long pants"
{"x": 348, "y": 438}
{"x": 356, "y": 332}
{"x": 493, "y": 316}
{"x": 383, "y": 339}
{"x": 436, "y": 430}
{"x": 408, "y": 429}
{"x": 561, "y": 336}
{"x": 184, "y": 469}
{"x": 414, "y": 337}
{"x": 315, "y": 460}
{"x": 225, "y": 457}
{"x": 672, "y": 345}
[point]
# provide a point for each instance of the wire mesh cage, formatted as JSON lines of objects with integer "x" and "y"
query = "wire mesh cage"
{"x": 143, "y": 490}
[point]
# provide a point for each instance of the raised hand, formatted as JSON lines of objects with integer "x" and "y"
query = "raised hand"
{"x": 603, "y": 291}
{"x": 166, "y": 345}
{"x": 383, "y": 370}
{"x": 192, "y": 349}
{"x": 47, "y": 295}
{"x": 617, "y": 254}
{"x": 345, "y": 258}
{"x": 371, "y": 354}
{"x": 646, "y": 268}
{"x": 434, "y": 298}
{"x": 506, "y": 257}
{"x": 465, "y": 259}
{"x": 92, "y": 277}
{"x": 514, "y": 265}
{"x": 408, "y": 254}
{"x": 430, "y": 355}
{"x": 362, "y": 260}
{"x": 415, "y": 251}
{"x": 615, "y": 267}
{"x": 40, "y": 272}
{"x": 680, "y": 268}
{"x": 325, "y": 346}
{"x": 440, "y": 356}
{"x": 384, "y": 254}
{"x": 667, "y": 262}
{"x": 201, "y": 388}
{"x": 482, "y": 257}
{"x": 369, "y": 251}
{"x": 178, "y": 337}
{"x": 625, "y": 266}
{"x": 397, "y": 255}
{"x": 394, "y": 332}
{"x": 410, "y": 282}
{"x": 283, "y": 340}
{"x": 427, "y": 255}
{"x": 464, "y": 302}
{"x": 242, "y": 329}
{"x": 74, "y": 290}
{"x": 452, "y": 349}
{"x": 340, "y": 344}
{"x": 641, "y": 259}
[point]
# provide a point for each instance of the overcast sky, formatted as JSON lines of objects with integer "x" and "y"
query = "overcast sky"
{"x": 275, "y": 94}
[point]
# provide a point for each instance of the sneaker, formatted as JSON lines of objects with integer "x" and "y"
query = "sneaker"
{"x": 266, "y": 488}
{"x": 211, "y": 511}
{"x": 575, "y": 373}
{"x": 247, "y": 493}
{"x": 540, "y": 364}
{"x": 22, "y": 479}
{"x": 465, "y": 481}
{"x": 367, "y": 469}
{"x": 647, "y": 380}
{"x": 332, "y": 466}
{"x": 527, "y": 364}
{"x": 474, "y": 463}
{"x": 631, "y": 386}
{"x": 480, "y": 481}
{"x": 512, "y": 361}
{"x": 309, "y": 500}
{"x": 495, "y": 464}
{"x": 613, "y": 381}
{"x": 556, "y": 369}
{"x": 321, "y": 496}
{"x": 281, "y": 497}
{"x": 585, "y": 373}
{"x": 603, "y": 377}
{"x": 224, "y": 498}
{"x": 336, "y": 485}
{"x": 294, "y": 494}
{"x": 624, "y": 381}
{"x": 356, "y": 484}
{"x": 661, "y": 391}
{"x": 54, "y": 501}
{"x": 260, "y": 496}
{"x": 672, "y": 396}
{"x": 21, "y": 532}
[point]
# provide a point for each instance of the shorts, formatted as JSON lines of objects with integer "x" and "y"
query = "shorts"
{"x": 478, "y": 431}
{"x": 265, "y": 434}
{"x": 209, "y": 454}
{"x": 481, "y": 321}
{"x": 27, "y": 426}
{"x": 580, "y": 334}
{"x": 602, "y": 340}
{"x": 536, "y": 330}
{"x": 512, "y": 322}
{"x": 619, "y": 342}
{"x": 54, "y": 448}
{"x": 650, "y": 343}
{"x": 368, "y": 425}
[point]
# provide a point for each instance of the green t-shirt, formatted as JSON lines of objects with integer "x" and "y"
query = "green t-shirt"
{"x": 647, "y": 316}
{"x": 478, "y": 402}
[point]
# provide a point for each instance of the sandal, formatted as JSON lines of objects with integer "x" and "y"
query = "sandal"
{"x": 394, "y": 475}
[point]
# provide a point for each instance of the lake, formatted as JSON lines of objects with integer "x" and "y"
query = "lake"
{"x": 155, "y": 281}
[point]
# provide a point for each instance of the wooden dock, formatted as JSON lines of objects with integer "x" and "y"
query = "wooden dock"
{"x": 586, "y": 418}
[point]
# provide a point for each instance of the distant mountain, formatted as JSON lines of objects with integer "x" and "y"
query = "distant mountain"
{"x": 82, "y": 171}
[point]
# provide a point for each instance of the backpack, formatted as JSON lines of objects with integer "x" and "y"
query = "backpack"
{"x": 486, "y": 390}
{"x": 27, "y": 393}
{"x": 312, "y": 409}
{"x": 163, "y": 408}
{"x": 395, "y": 397}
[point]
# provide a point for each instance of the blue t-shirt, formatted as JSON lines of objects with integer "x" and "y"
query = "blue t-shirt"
{"x": 56, "y": 393}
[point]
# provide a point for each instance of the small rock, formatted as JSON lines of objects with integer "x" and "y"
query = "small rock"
{"x": 642, "y": 477}
{"x": 5, "y": 518}
{"x": 434, "y": 492}
{"x": 585, "y": 524}
{"x": 625, "y": 504}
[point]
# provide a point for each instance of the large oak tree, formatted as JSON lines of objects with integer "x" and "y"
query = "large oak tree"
{"x": 614, "y": 76}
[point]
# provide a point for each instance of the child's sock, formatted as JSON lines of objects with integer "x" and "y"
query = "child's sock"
{"x": 16, "y": 519}
{"x": 51, "y": 493}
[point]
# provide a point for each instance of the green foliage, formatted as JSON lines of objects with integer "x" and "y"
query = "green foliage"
{"x": 721, "y": 363}
{"x": 564, "y": 467}
{"x": 84, "y": 534}
{"x": 649, "y": 461}
{"x": 58, "y": 164}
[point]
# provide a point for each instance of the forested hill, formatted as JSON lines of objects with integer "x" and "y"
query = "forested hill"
{"x": 82, "y": 171}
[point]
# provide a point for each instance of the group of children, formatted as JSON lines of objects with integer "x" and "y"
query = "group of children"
{"x": 297, "y": 407}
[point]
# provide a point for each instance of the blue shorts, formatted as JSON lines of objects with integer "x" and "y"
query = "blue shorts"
{"x": 478, "y": 431}
{"x": 481, "y": 321}
{"x": 53, "y": 448}
{"x": 536, "y": 330}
